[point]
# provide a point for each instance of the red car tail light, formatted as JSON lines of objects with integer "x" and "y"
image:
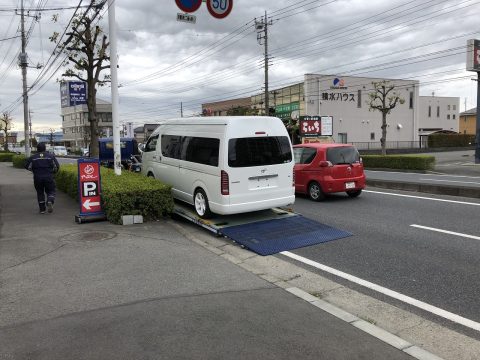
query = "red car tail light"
{"x": 224, "y": 183}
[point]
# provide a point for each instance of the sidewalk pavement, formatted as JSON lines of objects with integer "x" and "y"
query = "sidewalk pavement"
{"x": 103, "y": 291}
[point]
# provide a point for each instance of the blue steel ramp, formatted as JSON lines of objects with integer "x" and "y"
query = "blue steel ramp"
{"x": 273, "y": 236}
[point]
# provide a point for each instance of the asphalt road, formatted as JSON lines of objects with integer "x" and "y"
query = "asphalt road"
{"x": 440, "y": 269}
{"x": 465, "y": 181}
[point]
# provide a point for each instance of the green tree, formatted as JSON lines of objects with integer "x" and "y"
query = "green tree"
{"x": 5, "y": 125}
{"x": 86, "y": 51}
{"x": 384, "y": 98}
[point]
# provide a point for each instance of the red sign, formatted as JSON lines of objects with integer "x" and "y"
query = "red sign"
{"x": 310, "y": 126}
{"x": 189, "y": 6}
{"x": 219, "y": 8}
{"x": 89, "y": 187}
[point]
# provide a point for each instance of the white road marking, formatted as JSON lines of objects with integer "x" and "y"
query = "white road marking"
{"x": 422, "y": 197}
{"x": 452, "y": 181}
{"x": 393, "y": 294}
{"x": 446, "y": 232}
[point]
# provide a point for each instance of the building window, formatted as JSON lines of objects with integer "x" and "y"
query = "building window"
{"x": 454, "y": 107}
{"x": 342, "y": 138}
{"x": 448, "y": 116}
{"x": 429, "y": 111}
{"x": 453, "y": 116}
{"x": 359, "y": 99}
{"x": 438, "y": 111}
{"x": 372, "y": 136}
{"x": 448, "y": 107}
{"x": 464, "y": 132}
{"x": 411, "y": 99}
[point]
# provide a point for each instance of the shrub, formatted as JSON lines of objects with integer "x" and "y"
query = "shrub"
{"x": 127, "y": 194}
{"x": 19, "y": 161}
{"x": 450, "y": 140}
{"x": 6, "y": 156}
{"x": 407, "y": 162}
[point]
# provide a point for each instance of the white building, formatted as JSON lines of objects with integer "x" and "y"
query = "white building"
{"x": 438, "y": 114}
{"x": 75, "y": 124}
{"x": 345, "y": 99}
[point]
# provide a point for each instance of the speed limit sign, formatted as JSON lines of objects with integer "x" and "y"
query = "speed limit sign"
{"x": 219, "y": 8}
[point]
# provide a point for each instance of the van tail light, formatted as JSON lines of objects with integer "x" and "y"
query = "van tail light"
{"x": 293, "y": 178}
{"x": 325, "y": 164}
{"x": 224, "y": 183}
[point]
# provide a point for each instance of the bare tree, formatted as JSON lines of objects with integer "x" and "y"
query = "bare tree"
{"x": 86, "y": 49}
{"x": 51, "y": 136}
{"x": 5, "y": 125}
{"x": 384, "y": 98}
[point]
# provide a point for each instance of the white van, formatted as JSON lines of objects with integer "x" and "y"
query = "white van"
{"x": 59, "y": 150}
{"x": 225, "y": 165}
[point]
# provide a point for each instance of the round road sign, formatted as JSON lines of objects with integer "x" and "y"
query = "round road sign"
{"x": 189, "y": 6}
{"x": 219, "y": 8}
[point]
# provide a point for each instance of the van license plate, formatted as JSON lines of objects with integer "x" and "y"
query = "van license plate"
{"x": 350, "y": 185}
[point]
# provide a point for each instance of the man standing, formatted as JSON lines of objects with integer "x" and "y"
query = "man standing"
{"x": 43, "y": 165}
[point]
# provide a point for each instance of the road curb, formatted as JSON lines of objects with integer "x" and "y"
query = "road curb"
{"x": 426, "y": 188}
{"x": 373, "y": 330}
{"x": 234, "y": 254}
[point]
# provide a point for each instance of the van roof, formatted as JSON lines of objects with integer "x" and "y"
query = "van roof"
{"x": 214, "y": 120}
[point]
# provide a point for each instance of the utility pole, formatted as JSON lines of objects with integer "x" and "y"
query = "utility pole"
{"x": 262, "y": 25}
{"x": 23, "y": 65}
{"x": 181, "y": 109}
{"x": 477, "y": 136}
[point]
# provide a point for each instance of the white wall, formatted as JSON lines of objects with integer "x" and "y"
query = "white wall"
{"x": 351, "y": 115}
{"x": 448, "y": 113}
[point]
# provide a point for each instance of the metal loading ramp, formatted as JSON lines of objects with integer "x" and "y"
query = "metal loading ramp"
{"x": 267, "y": 232}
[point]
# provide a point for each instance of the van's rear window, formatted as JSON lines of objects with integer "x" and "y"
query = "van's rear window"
{"x": 343, "y": 155}
{"x": 259, "y": 151}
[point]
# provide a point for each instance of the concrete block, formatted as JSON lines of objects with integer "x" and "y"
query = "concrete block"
{"x": 137, "y": 219}
{"x": 127, "y": 219}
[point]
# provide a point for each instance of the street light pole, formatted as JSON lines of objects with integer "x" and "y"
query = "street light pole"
{"x": 117, "y": 159}
{"x": 477, "y": 136}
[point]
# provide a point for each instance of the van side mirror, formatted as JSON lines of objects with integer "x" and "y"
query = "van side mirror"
{"x": 141, "y": 147}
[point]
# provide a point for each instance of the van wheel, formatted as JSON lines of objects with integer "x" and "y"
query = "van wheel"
{"x": 315, "y": 191}
{"x": 150, "y": 175}
{"x": 354, "y": 193}
{"x": 201, "y": 204}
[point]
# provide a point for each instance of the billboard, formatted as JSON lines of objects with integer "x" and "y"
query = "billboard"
{"x": 473, "y": 55}
{"x": 73, "y": 93}
{"x": 316, "y": 126}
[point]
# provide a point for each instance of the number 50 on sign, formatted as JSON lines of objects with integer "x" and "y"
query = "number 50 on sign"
{"x": 219, "y": 8}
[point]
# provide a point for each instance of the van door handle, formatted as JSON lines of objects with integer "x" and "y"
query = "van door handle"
{"x": 154, "y": 157}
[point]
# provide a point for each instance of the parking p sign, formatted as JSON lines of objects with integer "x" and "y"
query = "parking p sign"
{"x": 89, "y": 187}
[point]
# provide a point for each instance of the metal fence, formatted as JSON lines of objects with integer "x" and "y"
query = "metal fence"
{"x": 376, "y": 145}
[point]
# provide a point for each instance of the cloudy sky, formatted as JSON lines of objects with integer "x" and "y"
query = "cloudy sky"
{"x": 163, "y": 62}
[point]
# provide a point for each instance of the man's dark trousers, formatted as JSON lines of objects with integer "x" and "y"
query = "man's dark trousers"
{"x": 44, "y": 185}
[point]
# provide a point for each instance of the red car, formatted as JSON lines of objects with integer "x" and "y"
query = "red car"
{"x": 328, "y": 168}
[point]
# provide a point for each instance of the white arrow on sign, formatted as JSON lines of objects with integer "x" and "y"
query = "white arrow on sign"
{"x": 88, "y": 204}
